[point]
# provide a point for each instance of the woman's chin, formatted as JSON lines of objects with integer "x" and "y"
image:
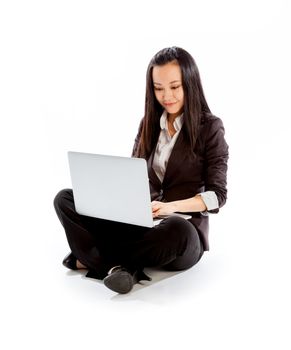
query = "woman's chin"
{"x": 174, "y": 111}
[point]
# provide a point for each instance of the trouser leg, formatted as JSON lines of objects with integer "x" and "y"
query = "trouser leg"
{"x": 80, "y": 240}
{"x": 99, "y": 244}
{"x": 94, "y": 242}
{"x": 173, "y": 244}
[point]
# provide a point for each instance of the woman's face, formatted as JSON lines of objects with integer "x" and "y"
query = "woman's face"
{"x": 168, "y": 87}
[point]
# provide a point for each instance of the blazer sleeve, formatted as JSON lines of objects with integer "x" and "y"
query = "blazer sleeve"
{"x": 216, "y": 155}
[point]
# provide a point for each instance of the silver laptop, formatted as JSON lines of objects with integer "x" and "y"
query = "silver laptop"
{"x": 112, "y": 188}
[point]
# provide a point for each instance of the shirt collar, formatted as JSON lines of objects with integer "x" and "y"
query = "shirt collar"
{"x": 178, "y": 122}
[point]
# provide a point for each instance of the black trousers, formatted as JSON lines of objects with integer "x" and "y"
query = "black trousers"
{"x": 99, "y": 244}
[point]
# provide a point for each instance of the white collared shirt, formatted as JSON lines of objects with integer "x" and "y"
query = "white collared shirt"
{"x": 164, "y": 149}
{"x": 165, "y": 144}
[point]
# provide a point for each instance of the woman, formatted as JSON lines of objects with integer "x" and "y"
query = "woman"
{"x": 186, "y": 153}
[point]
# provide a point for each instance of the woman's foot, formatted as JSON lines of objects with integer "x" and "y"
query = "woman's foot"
{"x": 80, "y": 265}
{"x": 121, "y": 280}
{"x": 72, "y": 263}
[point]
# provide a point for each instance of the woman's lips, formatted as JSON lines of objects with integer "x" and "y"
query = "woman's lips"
{"x": 169, "y": 104}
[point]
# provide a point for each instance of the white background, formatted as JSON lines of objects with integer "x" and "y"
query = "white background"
{"x": 72, "y": 77}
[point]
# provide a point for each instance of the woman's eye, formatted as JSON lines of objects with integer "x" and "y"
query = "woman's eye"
{"x": 173, "y": 87}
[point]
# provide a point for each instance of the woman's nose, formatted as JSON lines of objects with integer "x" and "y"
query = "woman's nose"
{"x": 168, "y": 94}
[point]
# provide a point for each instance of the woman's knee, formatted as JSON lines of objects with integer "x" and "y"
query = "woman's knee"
{"x": 182, "y": 263}
{"x": 191, "y": 256}
{"x": 62, "y": 197}
{"x": 177, "y": 228}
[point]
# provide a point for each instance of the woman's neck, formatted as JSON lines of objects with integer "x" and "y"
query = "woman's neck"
{"x": 171, "y": 117}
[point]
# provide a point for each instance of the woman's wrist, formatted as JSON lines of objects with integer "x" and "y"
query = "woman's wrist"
{"x": 193, "y": 204}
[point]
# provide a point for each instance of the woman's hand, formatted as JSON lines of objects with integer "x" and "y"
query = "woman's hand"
{"x": 161, "y": 208}
{"x": 192, "y": 204}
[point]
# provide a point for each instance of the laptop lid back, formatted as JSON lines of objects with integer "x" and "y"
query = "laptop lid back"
{"x": 111, "y": 187}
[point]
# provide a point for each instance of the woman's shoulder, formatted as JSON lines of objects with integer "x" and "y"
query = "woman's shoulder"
{"x": 208, "y": 119}
{"x": 210, "y": 124}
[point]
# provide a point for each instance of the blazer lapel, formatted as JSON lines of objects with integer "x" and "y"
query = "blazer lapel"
{"x": 178, "y": 154}
{"x": 176, "y": 159}
{"x": 152, "y": 174}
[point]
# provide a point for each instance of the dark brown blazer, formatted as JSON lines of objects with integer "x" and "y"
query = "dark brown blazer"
{"x": 189, "y": 173}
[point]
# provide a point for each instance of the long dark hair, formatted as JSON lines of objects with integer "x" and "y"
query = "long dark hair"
{"x": 194, "y": 100}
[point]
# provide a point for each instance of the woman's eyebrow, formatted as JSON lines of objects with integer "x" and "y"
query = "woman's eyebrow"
{"x": 174, "y": 81}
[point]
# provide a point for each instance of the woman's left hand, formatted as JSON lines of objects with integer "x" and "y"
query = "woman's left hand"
{"x": 161, "y": 208}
